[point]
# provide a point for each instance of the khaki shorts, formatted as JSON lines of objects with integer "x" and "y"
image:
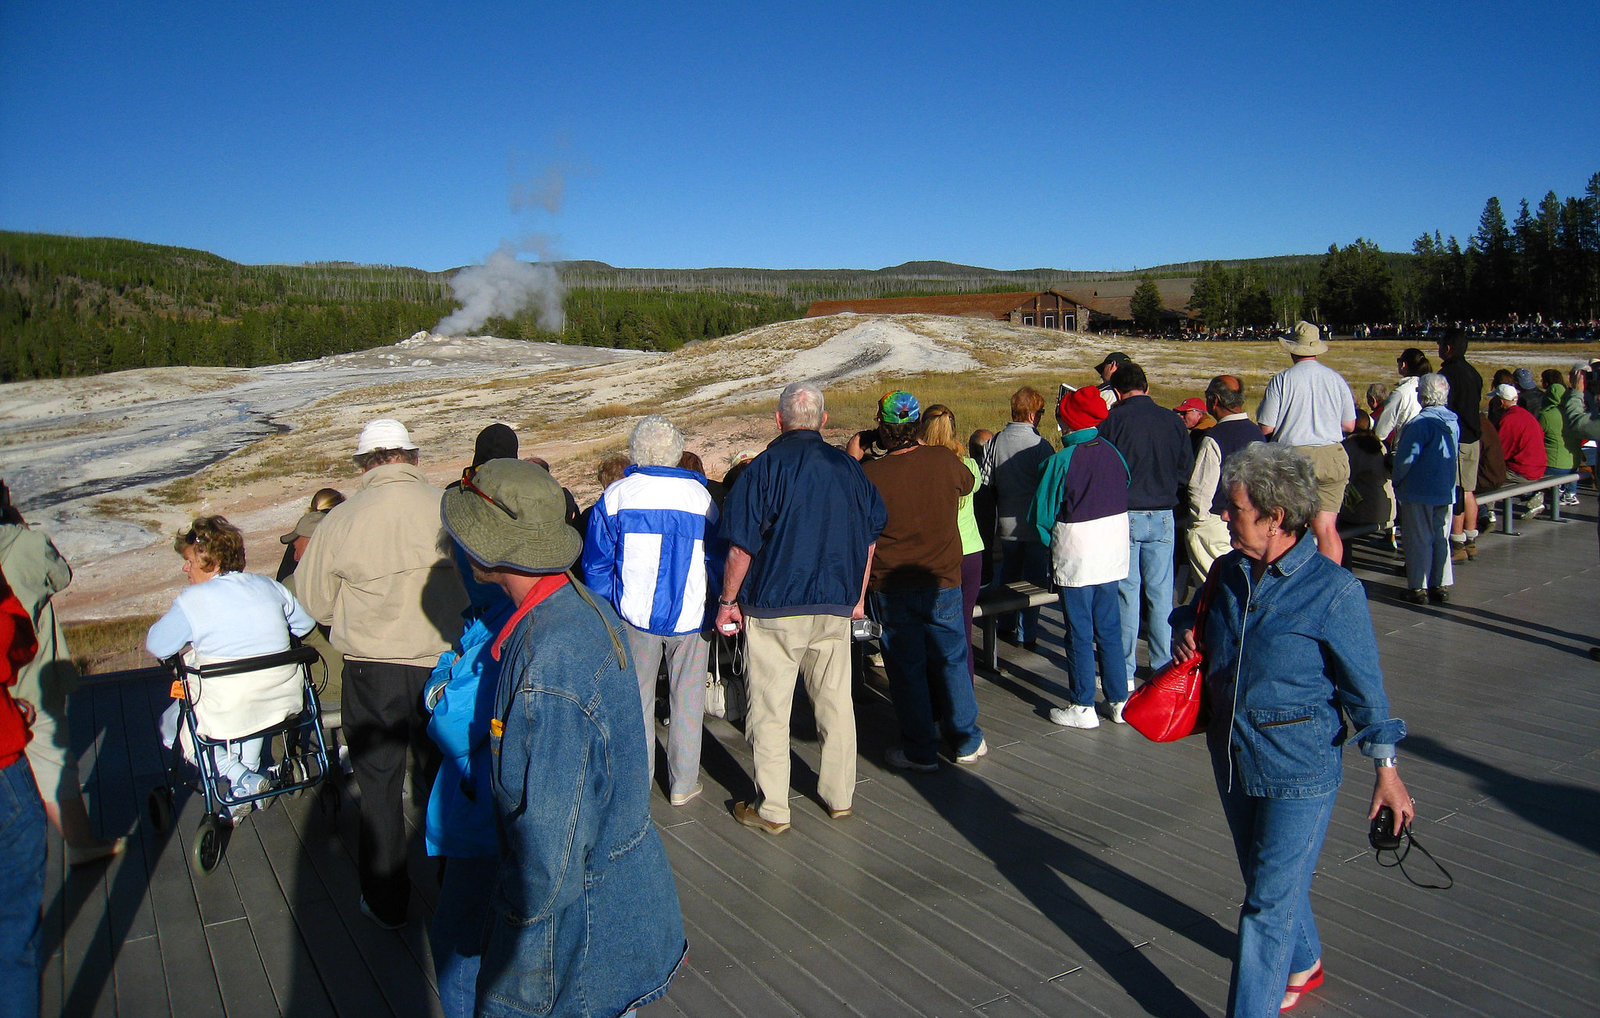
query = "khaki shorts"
{"x": 1467, "y": 466}
{"x": 1332, "y": 465}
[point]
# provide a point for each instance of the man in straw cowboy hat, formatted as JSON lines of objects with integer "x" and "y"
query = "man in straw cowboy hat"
{"x": 586, "y": 918}
{"x": 1309, "y": 406}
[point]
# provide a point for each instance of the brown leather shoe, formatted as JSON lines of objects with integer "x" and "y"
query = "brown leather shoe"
{"x": 746, "y": 814}
{"x": 1458, "y": 552}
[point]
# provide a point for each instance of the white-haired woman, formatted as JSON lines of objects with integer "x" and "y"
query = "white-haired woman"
{"x": 1289, "y": 655}
{"x": 1425, "y": 484}
{"x": 649, "y": 551}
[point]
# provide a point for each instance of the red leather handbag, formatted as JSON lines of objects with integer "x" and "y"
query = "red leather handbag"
{"x": 1168, "y": 706}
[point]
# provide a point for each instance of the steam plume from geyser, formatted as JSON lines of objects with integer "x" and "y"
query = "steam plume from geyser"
{"x": 501, "y": 288}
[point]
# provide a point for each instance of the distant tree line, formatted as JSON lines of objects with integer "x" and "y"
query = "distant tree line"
{"x": 77, "y": 306}
{"x": 650, "y": 319}
{"x": 1546, "y": 264}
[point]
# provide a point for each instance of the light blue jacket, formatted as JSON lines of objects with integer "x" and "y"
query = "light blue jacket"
{"x": 1425, "y": 458}
{"x": 586, "y": 916}
{"x": 460, "y": 699}
{"x": 1288, "y": 658}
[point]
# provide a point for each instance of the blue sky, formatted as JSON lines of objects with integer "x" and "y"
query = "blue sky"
{"x": 784, "y": 135}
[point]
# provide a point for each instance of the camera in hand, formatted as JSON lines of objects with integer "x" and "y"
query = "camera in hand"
{"x": 865, "y": 629}
{"x": 1384, "y": 836}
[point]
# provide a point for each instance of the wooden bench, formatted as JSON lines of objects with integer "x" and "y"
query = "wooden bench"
{"x": 1504, "y": 495}
{"x": 999, "y": 599}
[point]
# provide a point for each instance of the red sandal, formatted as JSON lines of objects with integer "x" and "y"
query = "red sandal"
{"x": 1299, "y": 990}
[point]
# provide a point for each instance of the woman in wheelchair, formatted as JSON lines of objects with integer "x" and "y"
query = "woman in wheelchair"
{"x": 226, "y": 614}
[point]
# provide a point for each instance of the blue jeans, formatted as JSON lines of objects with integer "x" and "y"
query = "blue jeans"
{"x": 1277, "y": 842}
{"x": 1023, "y": 560}
{"x": 1150, "y": 569}
{"x": 925, "y": 653}
{"x": 22, "y": 887}
{"x": 459, "y": 929}
{"x": 1094, "y": 629}
{"x": 1571, "y": 487}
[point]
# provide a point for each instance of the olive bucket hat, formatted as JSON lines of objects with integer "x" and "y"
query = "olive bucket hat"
{"x": 512, "y": 515}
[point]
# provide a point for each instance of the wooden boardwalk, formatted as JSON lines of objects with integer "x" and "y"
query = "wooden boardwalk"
{"x": 1067, "y": 873}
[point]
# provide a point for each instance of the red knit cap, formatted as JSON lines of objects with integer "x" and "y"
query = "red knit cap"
{"x": 1084, "y": 408}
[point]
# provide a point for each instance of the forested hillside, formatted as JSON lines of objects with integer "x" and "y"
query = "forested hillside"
{"x": 79, "y": 306}
{"x": 76, "y": 306}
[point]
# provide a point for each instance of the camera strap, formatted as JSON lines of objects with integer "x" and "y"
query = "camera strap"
{"x": 1407, "y": 841}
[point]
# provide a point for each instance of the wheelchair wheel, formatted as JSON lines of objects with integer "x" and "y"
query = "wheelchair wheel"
{"x": 292, "y": 772}
{"x": 158, "y": 804}
{"x": 210, "y": 842}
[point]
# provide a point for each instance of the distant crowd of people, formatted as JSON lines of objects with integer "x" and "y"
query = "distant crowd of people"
{"x": 504, "y": 647}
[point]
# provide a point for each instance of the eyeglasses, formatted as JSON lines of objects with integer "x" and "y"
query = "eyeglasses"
{"x": 467, "y": 485}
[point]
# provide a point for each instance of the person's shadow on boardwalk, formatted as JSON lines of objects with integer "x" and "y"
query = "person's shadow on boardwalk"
{"x": 1047, "y": 869}
{"x": 1567, "y": 811}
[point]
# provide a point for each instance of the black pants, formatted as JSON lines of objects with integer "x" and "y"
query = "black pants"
{"x": 383, "y": 717}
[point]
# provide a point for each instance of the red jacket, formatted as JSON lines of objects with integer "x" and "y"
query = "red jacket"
{"x": 1523, "y": 441}
{"x": 16, "y": 636}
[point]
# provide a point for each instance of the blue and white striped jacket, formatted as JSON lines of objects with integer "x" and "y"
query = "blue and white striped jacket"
{"x": 651, "y": 549}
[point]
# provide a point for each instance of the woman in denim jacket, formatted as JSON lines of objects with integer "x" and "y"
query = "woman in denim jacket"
{"x": 1289, "y": 653}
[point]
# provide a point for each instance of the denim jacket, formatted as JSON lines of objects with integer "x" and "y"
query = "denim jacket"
{"x": 586, "y": 914}
{"x": 1285, "y": 656}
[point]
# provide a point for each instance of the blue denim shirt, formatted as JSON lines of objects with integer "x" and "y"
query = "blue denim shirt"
{"x": 1286, "y": 656}
{"x": 586, "y": 915}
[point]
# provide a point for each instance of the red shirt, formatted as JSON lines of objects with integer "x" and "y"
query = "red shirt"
{"x": 16, "y": 636}
{"x": 1523, "y": 442}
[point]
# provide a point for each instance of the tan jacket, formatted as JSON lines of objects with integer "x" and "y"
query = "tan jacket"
{"x": 380, "y": 570}
{"x": 36, "y": 572}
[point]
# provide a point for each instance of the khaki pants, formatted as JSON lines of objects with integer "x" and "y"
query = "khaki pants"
{"x": 1207, "y": 541}
{"x": 817, "y": 648}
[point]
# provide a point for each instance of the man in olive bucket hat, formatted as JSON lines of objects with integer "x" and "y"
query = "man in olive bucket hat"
{"x": 583, "y": 874}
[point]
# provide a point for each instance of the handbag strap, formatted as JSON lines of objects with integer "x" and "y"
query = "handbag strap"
{"x": 1207, "y": 591}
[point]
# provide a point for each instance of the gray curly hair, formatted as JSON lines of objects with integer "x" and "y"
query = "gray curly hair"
{"x": 1433, "y": 390}
{"x": 655, "y": 442}
{"x": 1275, "y": 477}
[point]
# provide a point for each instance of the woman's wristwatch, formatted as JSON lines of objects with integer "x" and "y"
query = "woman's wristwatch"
{"x": 1380, "y": 762}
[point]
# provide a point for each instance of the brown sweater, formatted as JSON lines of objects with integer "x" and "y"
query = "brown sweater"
{"x": 921, "y": 544}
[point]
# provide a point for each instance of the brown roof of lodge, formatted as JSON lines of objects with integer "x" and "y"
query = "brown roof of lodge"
{"x": 963, "y": 305}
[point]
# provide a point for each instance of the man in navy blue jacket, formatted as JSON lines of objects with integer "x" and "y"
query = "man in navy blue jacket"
{"x": 801, "y": 524}
{"x": 1160, "y": 458}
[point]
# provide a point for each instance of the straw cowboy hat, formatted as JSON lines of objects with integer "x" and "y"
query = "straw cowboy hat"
{"x": 1307, "y": 341}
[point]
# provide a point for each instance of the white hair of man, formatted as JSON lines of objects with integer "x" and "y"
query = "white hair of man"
{"x": 800, "y": 407}
{"x": 655, "y": 442}
{"x": 1433, "y": 390}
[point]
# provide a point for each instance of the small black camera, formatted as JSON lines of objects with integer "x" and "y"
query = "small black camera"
{"x": 1384, "y": 836}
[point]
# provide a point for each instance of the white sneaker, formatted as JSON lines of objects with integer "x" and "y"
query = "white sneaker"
{"x": 684, "y": 798}
{"x": 1569, "y": 498}
{"x": 1075, "y": 717}
{"x": 1115, "y": 710}
{"x": 972, "y": 757}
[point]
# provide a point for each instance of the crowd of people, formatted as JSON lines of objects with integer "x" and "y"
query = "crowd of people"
{"x": 503, "y": 648}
